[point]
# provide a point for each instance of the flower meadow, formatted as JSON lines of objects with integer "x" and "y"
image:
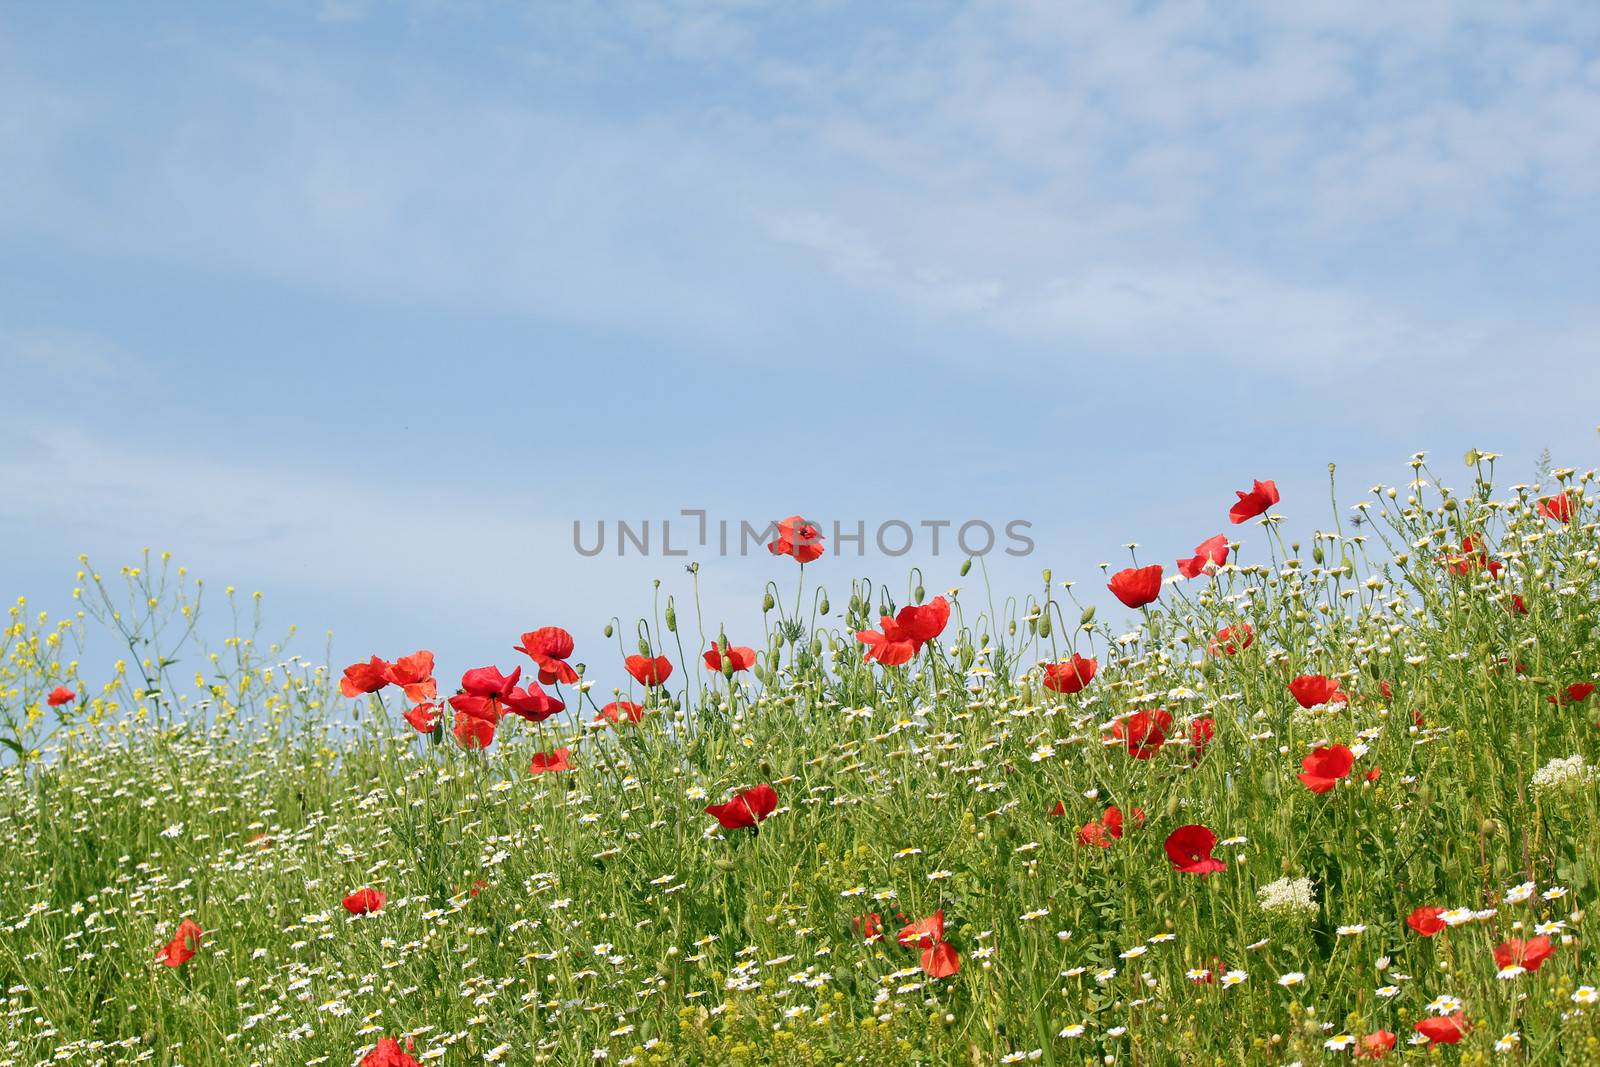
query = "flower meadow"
{"x": 1325, "y": 792}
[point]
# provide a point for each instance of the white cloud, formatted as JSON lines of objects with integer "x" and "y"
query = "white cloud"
{"x": 1114, "y": 174}
{"x": 65, "y": 353}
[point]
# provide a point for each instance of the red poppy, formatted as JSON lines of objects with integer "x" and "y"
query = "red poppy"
{"x": 60, "y": 695}
{"x": 1375, "y": 1045}
{"x": 387, "y": 1053}
{"x": 1144, "y": 732}
{"x": 1201, "y": 731}
{"x": 1325, "y": 766}
{"x": 479, "y": 706}
{"x": 923, "y": 622}
{"x": 1443, "y": 1029}
{"x": 552, "y": 762}
{"x": 797, "y": 538}
{"x": 532, "y": 703}
{"x": 1576, "y": 693}
{"x": 1262, "y": 495}
{"x": 923, "y": 932}
{"x": 1473, "y": 557}
{"x": 648, "y": 671}
{"x": 476, "y": 719}
{"x": 1136, "y": 586}
{"x": 365, "y": 901}
{"x": 1231, "y": 640}
{"x": 1070, "y": 675}
{"x": 1518, "y": 605}
{"x": 1557, "y": 507}
{"x": 1374, "y": 774}
{"x": 1387, "y": 690}
{"x": 489, "y": 683}
{"x": 1425, "y": 920}
{"x": 1208, "y": 555}
{"x": 904, "y": 635}
{"x": 1529, "y": 955}
{"x": 1112, "y": 820}
{"x": 739, "y": 658}
{"x": 366, "y": 677}
{"x": 618, "y": 710}
{"x": 869, "y": 925}
{"x": 549, "y": 647}
{"x": 748, "y": 808}
{"x": 941, "y": 960}
{"x": 1107, "y": 828}
{"x": 1059, "y": 811}
{"x": 1313, "y": 689}
{"x": 892, "y": 647}
{"x": 1189, "y": 848}
{"x": 424, "y": 718}
{"x": 414, "y": 674}
{"x": 183, "y": 946}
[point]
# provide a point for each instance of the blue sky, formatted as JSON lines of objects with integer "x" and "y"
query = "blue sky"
{"x": 362, "y": 305}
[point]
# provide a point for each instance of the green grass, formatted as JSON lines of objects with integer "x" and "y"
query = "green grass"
{"x": 568, "y": 917}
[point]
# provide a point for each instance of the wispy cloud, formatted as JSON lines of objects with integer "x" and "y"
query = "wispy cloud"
{"x": 1061, "y": 165}
{"x": 62, "y": 353}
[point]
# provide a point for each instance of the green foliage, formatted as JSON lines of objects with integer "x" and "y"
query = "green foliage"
{"x": 550, "y": 918}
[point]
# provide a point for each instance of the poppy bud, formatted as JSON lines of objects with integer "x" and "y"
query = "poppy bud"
{"x": 1047, "y": 576}
{"x": 608, "y": 630}
{"x": 1087, "y": 617}
{"x": 966, "y": 566}
{"x": 1172, "y": 805}
{"x": 1013, "y": 627}
{"x": 672, "y": 617}
{"x": 824, "y": 604}
{"x": 920, "y": 593}
{"x": 767, "y": 603}
{"x": 644, "y": 648}
{"x": 816, "y": 648}
{"x": 1044, "y": 625}
{"x": 1316, "y": 554}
